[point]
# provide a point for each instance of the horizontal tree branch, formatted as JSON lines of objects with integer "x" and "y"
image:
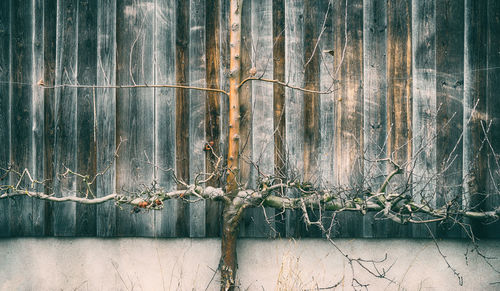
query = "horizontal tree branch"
{"x": 134, "y": 86}
{"x": 284, "y": 85}
{"x": 393, "y": 208}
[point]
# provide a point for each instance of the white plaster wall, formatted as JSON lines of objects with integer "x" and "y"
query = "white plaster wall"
{"x": 188, "y": 264}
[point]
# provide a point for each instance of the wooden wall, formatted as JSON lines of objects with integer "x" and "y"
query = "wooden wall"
{"x": 417, "y": 80}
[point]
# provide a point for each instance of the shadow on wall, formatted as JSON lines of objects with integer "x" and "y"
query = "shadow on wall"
{"x": 189, "y": 264}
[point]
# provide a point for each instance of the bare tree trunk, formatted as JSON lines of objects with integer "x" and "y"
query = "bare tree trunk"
{"x": 228, "y": 264}
{"x": 234, "y": 104}
{"x": 232, "y": 210}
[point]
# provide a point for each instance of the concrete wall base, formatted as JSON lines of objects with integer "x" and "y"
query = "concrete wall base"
{"x": 189, "y": 264}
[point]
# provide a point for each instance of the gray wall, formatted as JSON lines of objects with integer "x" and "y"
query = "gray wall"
{"x": 184, "y": 264}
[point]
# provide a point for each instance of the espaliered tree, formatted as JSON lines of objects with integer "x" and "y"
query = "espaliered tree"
{"x": 392, "y": 198}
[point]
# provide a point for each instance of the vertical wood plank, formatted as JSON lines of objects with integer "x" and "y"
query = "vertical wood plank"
{"x": 327, "y": 101}
{"x": 493, "y": 105}
{"x": 327, "y": 82}
{"x": 21, "y": 106}
{"x": 65, "y": 116}
{"x": 106, "y": 115}
{"x": 197, "y": 77}
{"x": 313, "y": 21}
{"x": 38, "y": 114}
{"x": 262, "y": 140}
{"x": 86, "y": 107}
{"x": 5, "y": 76}
{"x": 246, "y": 170}
{"x": 49, "y": 68}
{"x": 375, "y": 114}
{"x": 279, "y": 114}
{"x": 349, "y": 104}
{"x": 449, "y": 97}
{"x": 182, "y": 151}
{"x": 294, "y": 101}
{"x": 213, "y": 109}
{"x": 399, "y": 96}
{"x": 475, "y": 63}
{"x": 424, "y": 107}
{"x": 164, "y": 62}
{"x": 135, "y": 109}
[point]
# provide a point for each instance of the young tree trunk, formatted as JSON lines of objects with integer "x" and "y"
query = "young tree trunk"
{"x": 232, "y": 209}
{"x": 228, "y": 262}
{"x": 234, "y": 104}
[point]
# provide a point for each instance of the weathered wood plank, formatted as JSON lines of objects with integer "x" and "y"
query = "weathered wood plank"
{"x": 493, "y": 106}
{"x": 21, "y": 108}
{"x": 224, "y": 78}
{"x": 424, "y": 107}
{"x": 197, "y": 100}
{"x": 279, "y": 127}
{"x": 327, "y": 82}
{"x": 135, "y": 109}
{"x": 49, "y": 68}
{"x": 106, "y": 115}
{"x": 475, "y": 63}
{"x": 213, "y": 109}
{"x": 327, "y": 101}
{"x": 5, "y": 76}
{"x": 375, "y": 91}
{"x": 182, "y": 153}
{"x": 294, "y": 101}
{"x": 164, "y": 51}
{"x": 349, "y": 104}
{"x": 65, "y": 116}
{"x": 38, "y": 114}
{"x": 246, "y": 111}
{"x": 262, "y": 139}
{"x": 86, "y": 113}
{"x": 314, "y": 17}
{"x": 449, "y": 97}
{"x": 399, "y": 97}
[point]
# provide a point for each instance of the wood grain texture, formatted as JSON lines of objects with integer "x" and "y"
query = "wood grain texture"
{"x": 279, "y": 115}
{"x": 213, "y": 109}
{"x": 375, "y": 77}
{"x": 65, "y": 116}
{"x": 349, "y": 103}
{"x": 313, "y": 21}
{"x": 86, "y": 132}
{"x": 49, "y": 65}
{"x": 449, "y": 97}
{"x": 493, "y": 105}
{"x": 4, "y": 110}
{"x": 21, "y": 108}
{"x": 414, "y": 78}
{"x": 398, "y": 124}
{"x": 475, "y": 62}
{"x": 182, "y": 153}
{"x": 106, "y": 115}
{"x": 294, "y": 101}
{"x": 39, "y": 208}
{"x": 197, "y": 106}
{"x": 247, "y": 171}
{"x": 424, "y": 106}
{"x": 327, "y": 101}
{"x": 164, "y": 65}
{"x": 262, "y": 112}
{"x": 135, "y": 109}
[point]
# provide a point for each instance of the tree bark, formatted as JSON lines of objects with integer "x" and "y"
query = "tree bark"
{"x": 228, "y": 265}
{"x": 234, "y": 104}
{"x": 232, "y": 209}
